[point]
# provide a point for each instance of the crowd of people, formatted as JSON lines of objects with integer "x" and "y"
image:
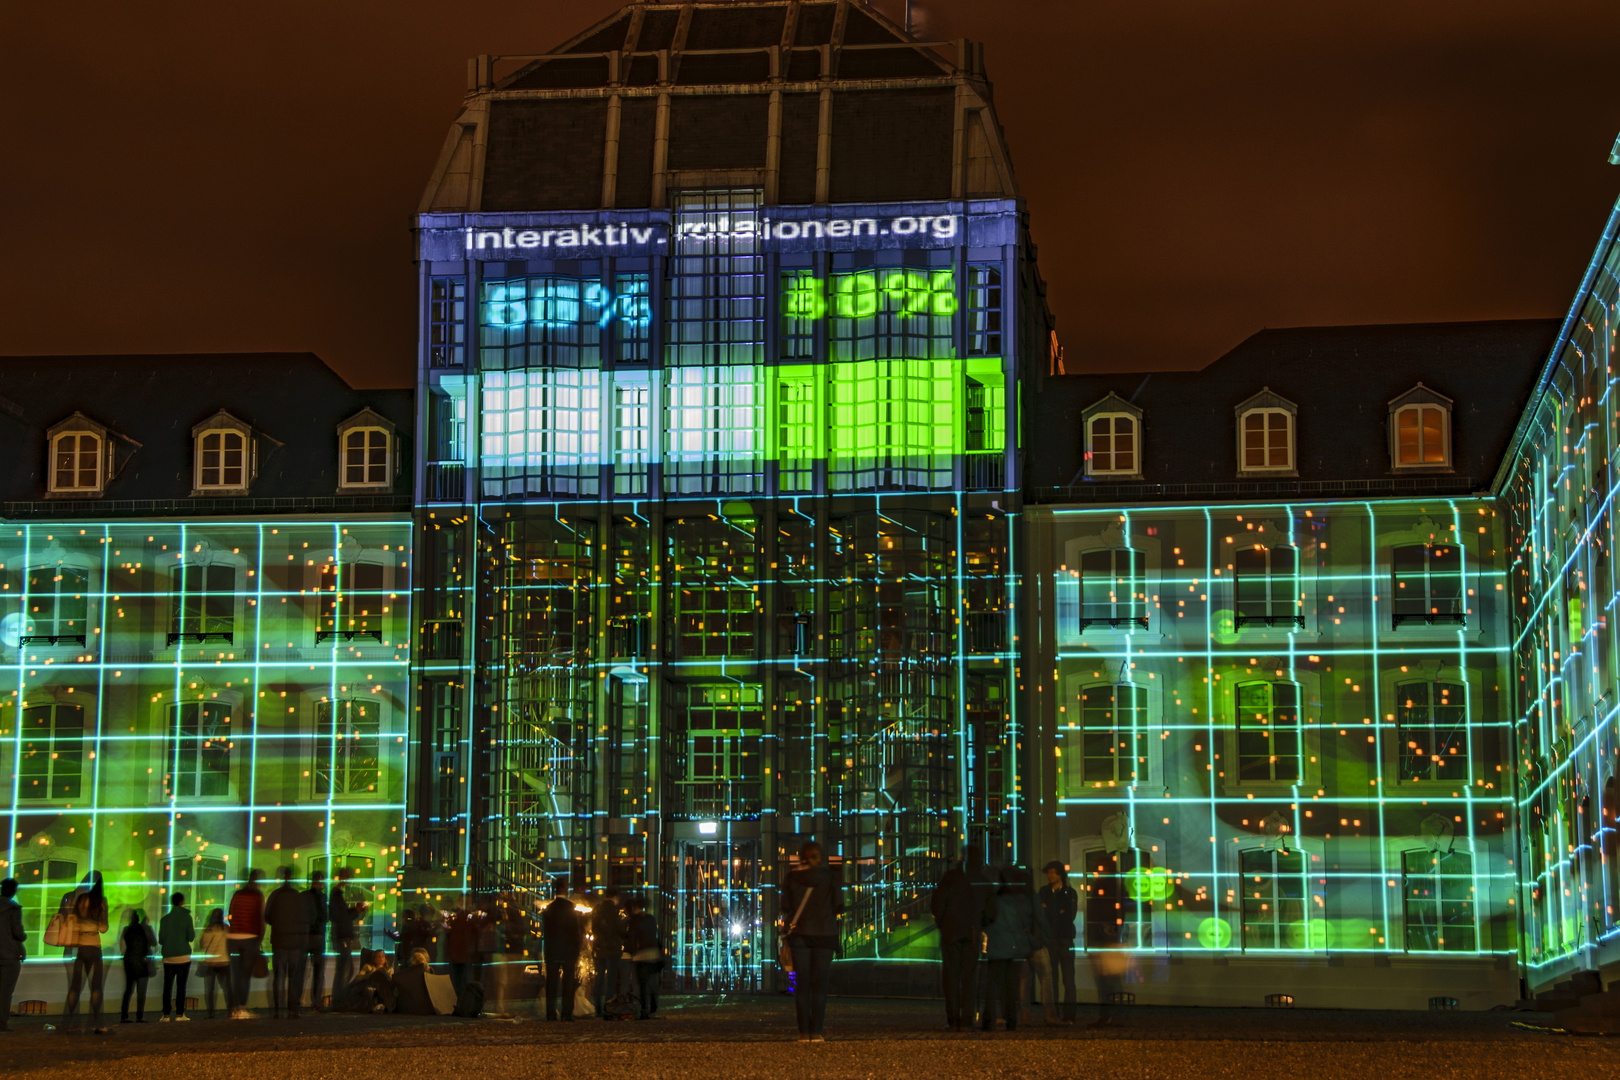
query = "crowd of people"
{"x": 1000, "y": 938}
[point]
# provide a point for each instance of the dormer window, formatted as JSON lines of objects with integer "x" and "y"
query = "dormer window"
{"x": 367, "y": 448}
{"x": 1420, "y": 430}
{"x": 224, "y": 460}
{"x": 1265, "y": 435}
{"x": 1113, "y": 439}
{"x": 76, "y": 463}
{"x": 78, "y": 458}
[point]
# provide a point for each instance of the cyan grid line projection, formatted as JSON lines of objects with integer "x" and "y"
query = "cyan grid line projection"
{"x": 1558, "y": 502}
{"x": 1251, "y": 784}
{"x": 185, "y": 701}
{"x": 695, "y": 664}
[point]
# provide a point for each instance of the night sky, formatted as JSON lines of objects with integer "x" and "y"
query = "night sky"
{"x": 191, "y": 176}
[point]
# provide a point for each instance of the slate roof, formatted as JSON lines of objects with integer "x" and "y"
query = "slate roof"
{"x": 1342, "y": 378}
{"x": 292, "y": 399}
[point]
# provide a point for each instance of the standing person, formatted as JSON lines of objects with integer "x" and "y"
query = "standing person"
{"x": 246, "y": 938}
{"x": 607, "y": 942}
{"x": 345, "y": 933}
{"x": 287, "y": 915}
{"x": 811, "y": 902}
{"x": 216, "y": 962}
{"x": 957, "y": 914}
{"x": 561, "y": 936}
{"x": 175, "y": 934}
{"x": 315, "y": 905}
{"x": 12, "y": 951}
{"x": 138, "y": 941}
{"x": 647, "y": 953}
{"x": 462, "y": 930}
{"x": 1015, "y": 927}
{"x": 1059, "y": 905}
{"x": 88, "y": 908}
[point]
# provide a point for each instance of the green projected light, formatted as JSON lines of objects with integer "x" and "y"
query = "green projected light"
{"x": 865, "y": 293}
{"x": 184, "y": 701}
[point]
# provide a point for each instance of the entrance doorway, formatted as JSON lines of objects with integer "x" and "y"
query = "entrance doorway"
{"x": 720, "y": 922}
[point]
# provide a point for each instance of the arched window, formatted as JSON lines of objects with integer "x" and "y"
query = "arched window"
{"x": 365, "y": 457}
{"x": 76, "y": 462}
{"x": 1112, "y": 430}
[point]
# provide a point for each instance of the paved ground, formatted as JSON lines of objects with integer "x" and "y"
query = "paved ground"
{"x": 698, "y": 1038}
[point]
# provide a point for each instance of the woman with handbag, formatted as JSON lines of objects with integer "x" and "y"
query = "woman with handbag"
{"x": 84, "y": 920}
{"x": 811, "y": 902}
{"x": 138, "y": 941}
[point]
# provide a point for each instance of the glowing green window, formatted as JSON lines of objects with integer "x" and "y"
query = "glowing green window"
{"x": 797, "y": 417}
{"x": 51, "y": 764}
{"x": 199, "y": 752}
{"x": 1268, "y": 731}
{"x": 1110, "y": 745}
{"x": 893, "y": 424}
{"x": 1432, "y": 724}
{"x": 348, "y": 747}
{"x": 1439, "y": 890}
{"x": 1273, "y": 888}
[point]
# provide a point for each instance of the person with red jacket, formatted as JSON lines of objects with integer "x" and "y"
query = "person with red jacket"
{"x": 246, "y": 937}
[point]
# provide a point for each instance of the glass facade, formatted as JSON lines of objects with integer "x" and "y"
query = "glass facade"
{"x": 187, "y": 700}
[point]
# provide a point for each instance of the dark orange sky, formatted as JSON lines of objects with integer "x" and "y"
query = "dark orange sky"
{"x": 187, "y": 176}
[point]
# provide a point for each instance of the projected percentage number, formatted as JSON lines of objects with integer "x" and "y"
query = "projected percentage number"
{"x": 908, "y": 293}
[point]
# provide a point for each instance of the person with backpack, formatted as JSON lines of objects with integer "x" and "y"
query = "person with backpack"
{"x": 315, "y": 903}
{"x": 138, "y": 942}
{"x": 12, "y": 950}
{"x": 811, "y": 902}
{"x": 246, "y": 938}
{"x": 287, "y": 915}
{"x": 175, "y": 934}
{"x": 216, "y": 962}
{"x": 647, "y": 953}
{"x": 1014, "y": 929}
{"x": 83, "y": 921}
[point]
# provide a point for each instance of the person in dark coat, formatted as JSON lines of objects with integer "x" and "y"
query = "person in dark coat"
{"x": 562, "y": 935}
{"x": 811, "y": 902}
{"x": 607, "y": 942}
{"x": 1014, "y": 928}
{"x": 410, "y": 987}
{"x": 647, "y": 952}
{"x": 12, "y": 950}
{"x": 315, "y": 904}
{"x": 287, "y": 915}
{"x": 957, "y": 915}
{"x": 138, "y": 941}
{"x": 345, "y": 934}
{"x": 1059, "y": 905}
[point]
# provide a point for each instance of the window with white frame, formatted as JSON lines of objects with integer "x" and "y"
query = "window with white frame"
{"x": 198, "y": 764}
{"x": 354, "y": 601}
{"x": 1428, "y": 581}
{"x": 1422, "y": 436}
{"x": 1266, "y": 438}
{"x": 204, "y": 879}
{"x": 1113, "y": 589}
{"x": 366, "y": 453}
{"x": 1110, "y": 744}
{"x": 76, "y": 460}
{"x": 1274, "y": 897}
{"x": 204, "y": 603}
{"x": 1439, "y": 894}
{"x": 1267, "y": 586}
{"x": 1432, "y": 721}
{"x": 50, "y": 764}
{"x": 348, "y": 747}
{"x": 1268, "y": 732}
{"x": 58, "y": 606}
{"x": 222, "y": 460}
{"x": 41, "y": 884}
{"x": 1111, "y": 448}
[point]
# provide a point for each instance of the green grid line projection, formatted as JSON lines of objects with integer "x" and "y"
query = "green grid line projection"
{"x": 183, "y": 701}
{"x": 1247, "y": 785}
{"x": 1558, "y": 502}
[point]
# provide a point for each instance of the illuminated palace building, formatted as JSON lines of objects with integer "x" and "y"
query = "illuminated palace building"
{"x": 753, "y": 503}
{"x": 204, "y": 583}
